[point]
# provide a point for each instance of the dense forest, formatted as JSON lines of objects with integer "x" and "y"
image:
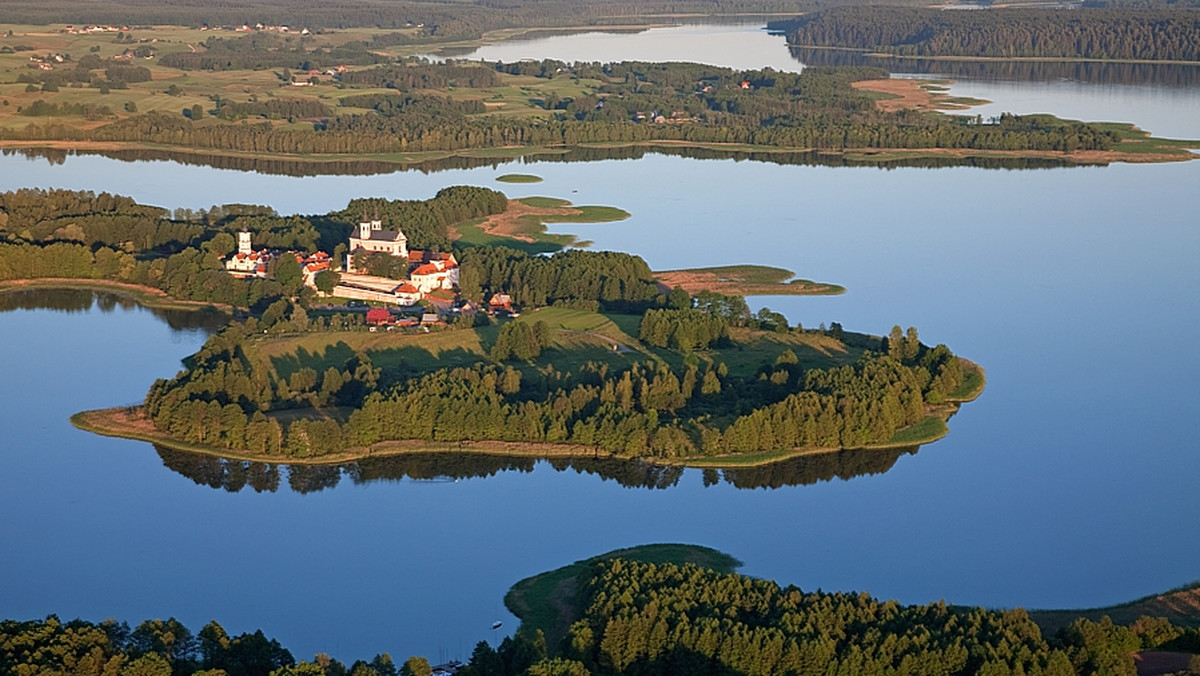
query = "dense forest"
{"x": 641, "y": 619}
{"x": 1159, "y": 34}
{"x": 226, "y": 399}
{"x": 645, "y": 618}
{"x": 440, "y": 21}
{"x": 634, "y": 103}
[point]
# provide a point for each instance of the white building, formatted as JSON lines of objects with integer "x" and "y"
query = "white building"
{"x": 436, "y": 274}
{"x": 246, "y": 262}
{"x": 371, "y": 237}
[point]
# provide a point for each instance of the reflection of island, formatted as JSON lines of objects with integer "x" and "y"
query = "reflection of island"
{"x": 82, "y": 300}
{"x": 286, "y": 167}
{"x": 1089, "y": 72}
{"x": 236, "y": 475}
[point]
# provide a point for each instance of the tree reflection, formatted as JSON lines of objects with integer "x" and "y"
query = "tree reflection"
{"x": 82, "y": 300}
{"x": 1089, "y": 72}
{"x": 578, "y": 154}
{"x": 236, "y": 475}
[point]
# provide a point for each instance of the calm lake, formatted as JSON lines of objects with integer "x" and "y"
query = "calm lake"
{"x": 1068, "y": 483}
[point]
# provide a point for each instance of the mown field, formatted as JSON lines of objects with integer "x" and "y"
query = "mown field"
{"x": 579, "y": 336}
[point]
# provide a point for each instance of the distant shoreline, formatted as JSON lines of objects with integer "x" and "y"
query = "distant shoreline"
{"x": 401, "y": 160}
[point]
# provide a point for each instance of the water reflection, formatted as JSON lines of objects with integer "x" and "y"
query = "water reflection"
{"x": 298, "y": 168}
{"x": 236, "y": 475}
{"x": 205, "y": 319}
{"x": 1141, "y": 74}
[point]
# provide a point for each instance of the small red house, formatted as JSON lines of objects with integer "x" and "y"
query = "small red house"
{"x": 378, "y": 315}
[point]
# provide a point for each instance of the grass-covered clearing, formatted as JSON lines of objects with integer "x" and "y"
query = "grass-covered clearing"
{"x": 548, "y": 601}
{"x": 744, "y": 280}
{"x": 523, "y": 225}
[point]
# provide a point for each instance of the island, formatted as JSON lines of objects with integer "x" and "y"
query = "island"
{"x": 519, "y": 178}
{"x": 394, "y": 327}
{"x": 663, "y": 609}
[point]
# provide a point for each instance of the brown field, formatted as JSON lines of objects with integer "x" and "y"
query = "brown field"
{"x": 909, "y": 93}
{"x": 693, "y": 281}
{"x": 1181, "y": 607}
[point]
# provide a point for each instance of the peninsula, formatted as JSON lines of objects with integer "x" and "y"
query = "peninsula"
{"x": 356, "y": 95}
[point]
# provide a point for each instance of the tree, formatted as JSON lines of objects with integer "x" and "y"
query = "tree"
{"x": 326, "y": 281}
{"x": 222, "y": 244}
{"x": 416, "y": 666}
{"x": 289, "y": 274}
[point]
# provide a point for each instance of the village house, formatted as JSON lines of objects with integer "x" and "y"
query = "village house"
{"x": 500, "y": 303}
{"x": 312, "y": 265}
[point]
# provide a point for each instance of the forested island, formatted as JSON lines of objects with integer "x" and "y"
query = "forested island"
{"x": 353, "y": 95}
{"x": 658, "y": 609}
{"x": 575, "y": 353}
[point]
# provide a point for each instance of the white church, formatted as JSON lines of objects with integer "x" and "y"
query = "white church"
{"x": 246, "y": 262}
{"x": 429, "y": 271}
{"x": 372, "y": 237}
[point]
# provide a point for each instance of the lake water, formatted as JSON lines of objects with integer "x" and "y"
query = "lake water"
{"x": 1068, "y": 483}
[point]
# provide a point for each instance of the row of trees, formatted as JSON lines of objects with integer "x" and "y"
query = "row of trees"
{"x": 153, "y": 648}
{"x": 616, "y": 280}
{"x": 350, "y": 134}
{"x": 1158, "y": 34}
{"x": 422, "y": 75}
{"x": 259, "y": 51}
{"x": 682, "y": 329}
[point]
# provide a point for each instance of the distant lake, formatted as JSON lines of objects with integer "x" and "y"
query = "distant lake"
{"x": 1066, "y": 484}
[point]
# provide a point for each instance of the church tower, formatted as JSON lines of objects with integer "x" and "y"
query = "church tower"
{"x": 244, "y": 245}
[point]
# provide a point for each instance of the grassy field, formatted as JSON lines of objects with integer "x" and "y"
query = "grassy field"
{"x": 472, "y": 233}
{"x": 549, "y": 602}
{"x": 523, "y": 225}
{"x": 545, "y": 202}
{"x": 579, "y": 336}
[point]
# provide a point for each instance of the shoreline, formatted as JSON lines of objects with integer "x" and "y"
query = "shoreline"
{"x": 146, "y": 296}
{"x": 869, "y": 156}
{"x": 126, "y": 422}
